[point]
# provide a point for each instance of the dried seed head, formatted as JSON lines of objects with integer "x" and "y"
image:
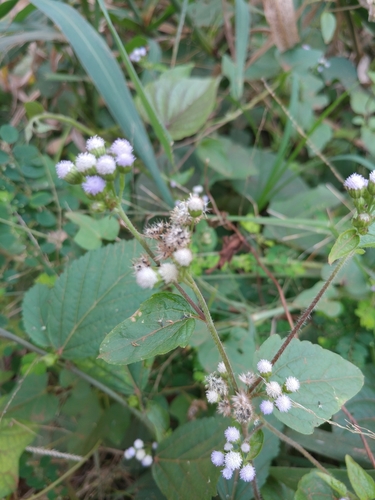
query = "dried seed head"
{"x": 141, "y": 262}
{"x": 247, "y": 378}
{"x": 156, "y": 230}
{"x": 223, "y": 408}
{"x": 177, "y": 237}
{"x": 242, "y": 408}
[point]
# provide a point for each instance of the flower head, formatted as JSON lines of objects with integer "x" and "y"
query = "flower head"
{"x": 264, "y": 366}
{"x": 242, "y": 409}
{"x": 146, "y": 277}
{"x": 292, "y": 384}
{"x": 125, "y": 160}
{"x": 266, "y": 407}
{"x": 106, "y": 165}
{"x": 223, "y": 408}
{"x": 140, "y": 454}
{"x": 94, "y": 185}
{"x": 147, "y": 461}
{"x": 195, "y": 205}
{"x": 85, "y": 162}
{"x": 273, "y": 389}
{"x": 221, "y": 368}
{"x": 245, "y": 447}
{"x": 197, "y": 189}
{"x": 283, "y": 403}
{"x": 212, "y": 396}
{"x": 183, "y": 257}
{"x": 233, "y": 460}
{"x": 121, "y": 146}
{"x": 63, "y": 168}
{"x": 129, "y": 453}
{"x": 95, "y": 144}
{"x": 137, "y": 54}
{"x": 217, "y": 458}
{"x": 232, "y": 434}
{"x": 247, "y": 473}
{"x": 138, "y": 444}
{"x": 217, "y": 384}
{"x": 247, "y": 378}
{"x": 228, "y": 446}
{"x": 168, "y": 272}
{"x": 227, "y": 473}
{"x": 355, "y": 182}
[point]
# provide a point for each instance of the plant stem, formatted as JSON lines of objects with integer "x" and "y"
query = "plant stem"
{"x": 134, "y": 231}
{"x": 212, "y": 329}
{"x": 63, "y": 119}
{"x": 305, "y": 315}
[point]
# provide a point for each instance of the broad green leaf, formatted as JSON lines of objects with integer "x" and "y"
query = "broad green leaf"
{"x": 362, "y": 483}
{"x": 159, "y": 416}
{"x": 40, "y": 199}
{"x": 107, "y": 77}
{"x": 226, "y": 157}
{"x": 345, "y": 243}
{"x": 327, "y": 381}
{"x": 335, "y": 484}
{"x": 33, "y": 109}
{"x": 93, "y": 295}
{"x": 14, "y": 437}
{"x": 328, "y": 26}
{"x": 6, "y": 7}
{"x": 274, "y": 490}
{"x": 342, "y": 69}
{"x": 162, "y": 323}
{"x": 362, "y": 103}
{"x": 92, "y": 231}
{"x": 311, "y": 487}
{"x": 8, "y": 134}
{"x": 34, "y": 312}
{"x": 183, "y": 105}
{"x": 182, "y": 468}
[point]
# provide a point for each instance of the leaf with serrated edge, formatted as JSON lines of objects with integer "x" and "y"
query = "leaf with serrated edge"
{"x": 161, "y": 324}
{"x": 13, "y": 440}
{"x": 93, "y": 295}
{"x": 182, "y": 467}
{"x": 34, "y": 313}
{"x": 362, "y": 483}
{"x": 345, "y": 243}
{"x": 312, "y": 487}
{"x": 327, "y": 381}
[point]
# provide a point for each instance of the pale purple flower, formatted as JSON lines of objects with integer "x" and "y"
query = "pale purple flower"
{"x": 228, "y": 446}
{"x": 121, "y": 146}
{"x": 245, "y": 447}
{"x": 264, "y": 366}
{"x": 283, "y": 403}
{"x": 266, "y": 407}
{"x": 94, "y": 185}
{"x": 95, "y": 142}
{"x": 233, "y": 460}
{"x": 227, "y": 473}
{"x": 147, "y": 461}
{"x": 140, "y": 454}
{"x": 247, "y": 473}
{"x": 129, "y": 453}
{"x": 125, "y": 160}
{"x": 85, "y": 161}
{"x": 372, "y": 176}
{"x": 292, "y": 384}
{"x": 138, "y": 444}
{"x": 217, "y": 458}
{"x": 356, "y": 182}
{"x": 106, "y": 165}
{"x": 232, "y": 434}
{"x": 63, "y": 168}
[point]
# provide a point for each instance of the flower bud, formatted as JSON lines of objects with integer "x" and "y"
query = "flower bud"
{"x": 371, "y": 183}
{"x": 106, "y": 167}
{"x": 67, "y": 170}
{"x": 94, "y": 187}
{"x": 356, "y": 185}
{"x": 195, "y": 206}
{"x": 96, "y": 145}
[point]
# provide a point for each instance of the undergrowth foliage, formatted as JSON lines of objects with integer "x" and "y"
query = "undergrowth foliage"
{"x": 167, "y": 256}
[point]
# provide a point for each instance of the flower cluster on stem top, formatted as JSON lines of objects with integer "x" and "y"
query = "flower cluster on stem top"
{"x": 140, "y": 452}
{"x": 234, "y": 456}
{"x": 362, "y": 191}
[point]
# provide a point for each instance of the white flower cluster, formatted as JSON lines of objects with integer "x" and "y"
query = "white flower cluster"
{"x": 362, "y": 191}
{"x": 277, "y": 394}
{"x": 137, "y": 54}
{"x": 97, "y": 165}
{"x": 139, "y": 452}
{"x": 234, "y": 456}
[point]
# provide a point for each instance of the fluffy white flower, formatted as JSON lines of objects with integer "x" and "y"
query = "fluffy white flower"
{"x": 154, "y": 445}
{"x": 221, "y": 368}
{"x": 198, "y": 189}
{"x": 147, "y": 461}
{"x": 292, "y": 384}
{"x": 283, "y": 403}
{"x": 129, "y": 453}
{"x": 227, "y": 473}
{"x": 140, "y": 454}
{"x": 245, "y": 447}
{"x": 217, "y": 458}
{"x": 247, "y": 473}
{"x": 125, "y": 159}
{"x": 264, "y": 366}
{"x": 228, "y": 446}
{"x": 233, "y": 460}
{"x": 85, "y": 161}
{"x": 212, "y": 396}
{"x": 195, "y": 205}
{"x": 121, "y": 146}
{"x": 106, "y": 165}
{"x": 168, "y": 272}
{"x": 146, "y": 277}
{"x": 266, "y": 407}
{"x": 356, "y": 182}
{"x": 273, "y": 390}
{"x": 95, "y": 143}
{"x": 138, "y": 444}
{"x": 232, "y": 434}
{"x": 63, "y": 168}
{"x": 183, "y": 257}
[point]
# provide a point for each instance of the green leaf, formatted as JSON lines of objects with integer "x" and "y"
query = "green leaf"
{"x": 8, "y": 134}
{"x": 6, "y": 7}
{"x": 14, "y": 438}
{"x": 159, "y": 417}
{"x": 328, "y": 26}
{"x": 362, "y": 103}
{"x": 107, "y": 77}
{"x": 345, "y": 243}
{"x": 92, "y": 231}
{"x": 226, "y": 157}
{"x": 363, "y": 484}
{"x": 335, "y": 484}
{"x": 35, "y": 311}
{"x": 161, "y": 324}
{"x": 40, "y": 199}
{"x": 256, "y": 444}
{"x": 183, "y": 104}
{"x": 93, "y": 295}
{"x": 327, "y": 381}
{"x": 311, "y": 487}
{"x": 182, "y": 468}
{"x": 33, "y": 108}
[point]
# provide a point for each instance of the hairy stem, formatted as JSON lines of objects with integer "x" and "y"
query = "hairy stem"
{"x": 212, "y": 329}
